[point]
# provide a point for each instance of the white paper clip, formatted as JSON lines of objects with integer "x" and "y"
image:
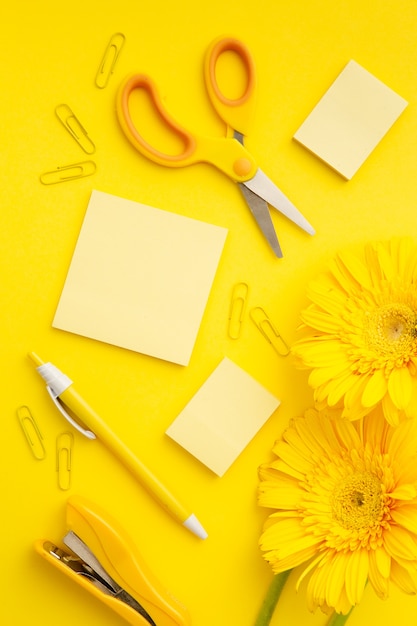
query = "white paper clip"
{"x": 74, "y": 127}
{"x": 269, "y": 331}
{"x": 109, "y": 60}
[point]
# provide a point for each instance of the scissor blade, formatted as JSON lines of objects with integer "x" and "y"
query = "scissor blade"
{"x": 260, "y": 211}
{"x": 263, "y": 186}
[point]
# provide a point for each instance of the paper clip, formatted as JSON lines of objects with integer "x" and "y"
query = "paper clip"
{"x": 237, "y": 309}
{"x": 64, "y": 445}
{"x": 31, "y": 432}
{"x": 109, "y": 60}
{"x": 269, "y": 331}
{"x": 75, "y": 128}
{"x": 65, "y": 173}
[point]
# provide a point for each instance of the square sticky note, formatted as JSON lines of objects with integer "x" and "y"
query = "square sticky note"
{"x": 350, "y": 119}
{"x": 223, "y": 416}
{"x": 140, "y": 277}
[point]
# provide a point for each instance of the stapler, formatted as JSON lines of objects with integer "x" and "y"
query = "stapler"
{"x": 99, "y": 556}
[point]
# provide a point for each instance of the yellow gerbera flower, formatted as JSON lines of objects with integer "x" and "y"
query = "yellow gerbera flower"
{"x": 344, "y": 500}
{"x": 360, "y": 331}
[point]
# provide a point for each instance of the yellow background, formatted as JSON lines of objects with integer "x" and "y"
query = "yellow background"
{"x": 49, "y": 54}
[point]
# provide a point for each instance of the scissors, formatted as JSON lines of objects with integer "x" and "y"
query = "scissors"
{"x": 228, "y": 154}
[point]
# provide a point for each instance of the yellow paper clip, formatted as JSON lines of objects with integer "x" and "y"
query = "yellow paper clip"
{"x": 109, "y": 60}
{"x": 31, "y": 432}
{"x": 269, "y": 331}
{"x": 64, "y": 445}
{"x": 65, "y": 173}
{"x": 237, "y": 309}
{"x": 75, "y": 128}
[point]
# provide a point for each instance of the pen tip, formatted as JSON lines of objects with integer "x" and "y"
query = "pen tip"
{"x": 35, "y": 358}
{"x": 194, "y": 525}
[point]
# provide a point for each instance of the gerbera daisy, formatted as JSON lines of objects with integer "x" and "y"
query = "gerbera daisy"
{"x": 360, "y": 331}
{"x": 344, "y": 502}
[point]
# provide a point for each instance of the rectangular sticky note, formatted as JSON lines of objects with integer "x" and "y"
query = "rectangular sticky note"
{"x": 350, "y": 119}
{"x": 140, "y": 278}
{"x": 223, "y": 416}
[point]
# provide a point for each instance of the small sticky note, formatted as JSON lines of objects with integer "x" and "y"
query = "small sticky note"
{"x": 223, "y": 416}
{"x": 140, "y": 277}
{"x": 350, "y": 119}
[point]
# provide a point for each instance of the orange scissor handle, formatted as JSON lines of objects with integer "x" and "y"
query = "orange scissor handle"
{"x": 237, "y": 112}
{"x": 227, "y": 154}
{"x": 140, "y": 81}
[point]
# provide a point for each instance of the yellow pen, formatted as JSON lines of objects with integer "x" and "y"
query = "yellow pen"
{"x": 62, "y": 392}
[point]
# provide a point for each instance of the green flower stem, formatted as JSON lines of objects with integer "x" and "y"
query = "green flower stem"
{"x": 271, "y": 599}
{"x": 338, "y": 620}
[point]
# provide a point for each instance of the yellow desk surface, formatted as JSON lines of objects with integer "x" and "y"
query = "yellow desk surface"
{"x": 49, "y": 54}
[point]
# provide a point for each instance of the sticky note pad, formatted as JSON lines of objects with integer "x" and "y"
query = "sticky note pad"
{"x": 350, "y": 119}
{"x": 223, "y": 416}
{"x": 140, "y": 278}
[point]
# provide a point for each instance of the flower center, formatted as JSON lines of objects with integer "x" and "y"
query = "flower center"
{"x": 357, "y": 501}
{"x": 392, "y": 330}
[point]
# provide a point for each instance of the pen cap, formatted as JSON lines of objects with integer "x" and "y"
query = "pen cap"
{"x": 54, "y": 378}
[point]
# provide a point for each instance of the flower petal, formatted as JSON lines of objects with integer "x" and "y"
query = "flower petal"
{"x": 385, "y": 261}
{"x": 284, "y": 468}
{"x": 347, "y": 435}
{"x": 286, "y": 541}
{"x": 322, "y": 375}
{"x": 322, "y": 352}
{"x": 374, "y": 431}
{"x": 336, "y": 576}
{"x": 391, "y": 413}
{"x": 405, "y": 472}
{"x": 402, "y": 442}
{"x": 293, "y": 438}
{"x": 321, "y": 320}
{"x": 404, "y": 492}
{"x": 320, "y": 587}
{"x": 277, "y": 495}
{"x": 353, "y": 398}
{"x": 411, "y": 410}
{"x": 356, "y": 575}
{"x": 356, "y": 268}
{"x": 406, "y": 516}
{"x": 316, "y": 587}
{"x": 309, "y": 430}
{"x": 292, "y": 560}
{"x": 399, "y": 543}
{"x": 403, "y": 252}
{"x": 292, "y": 457}
{"x": 375, "y": 389}
{"x": 403, "y": 578}
{"x": 382, "y": 561}
{"x": 337, "y": 389}
{"x": 400, "y": 387}
{"x": 325, "y": 297}
{"x": 372, "y": 263}
{"x": 378, "y": 580}
{"x": 310, "y": 567}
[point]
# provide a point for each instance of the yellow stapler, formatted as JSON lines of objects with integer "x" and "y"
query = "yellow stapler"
{"x": 99, "y": 556}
